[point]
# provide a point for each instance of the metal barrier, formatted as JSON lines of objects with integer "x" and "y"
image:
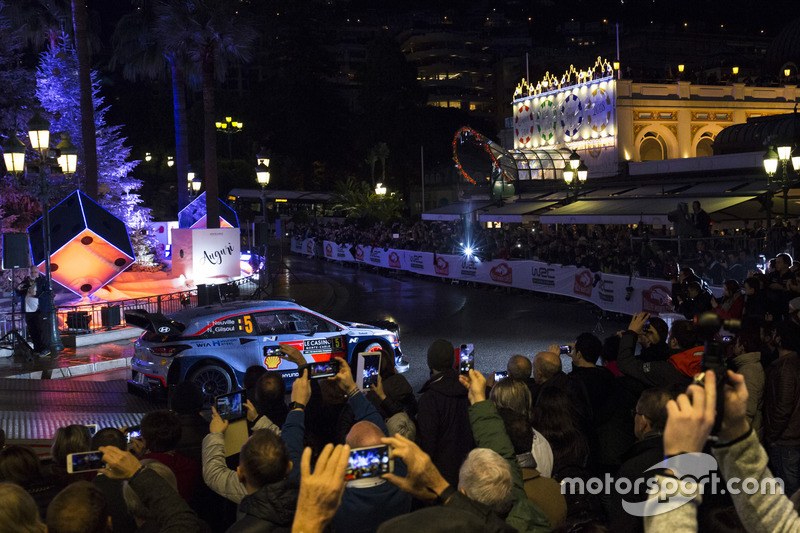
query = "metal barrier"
{"x": 87, "y": 318}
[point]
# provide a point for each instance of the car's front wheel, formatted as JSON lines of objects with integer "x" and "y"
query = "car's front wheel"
{"x": 213, "y": 380}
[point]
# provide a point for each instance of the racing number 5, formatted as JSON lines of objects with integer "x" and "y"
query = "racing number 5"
{"x": 248, "y": 324}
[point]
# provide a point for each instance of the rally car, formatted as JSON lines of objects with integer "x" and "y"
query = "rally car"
{"x": 214, "y": 345}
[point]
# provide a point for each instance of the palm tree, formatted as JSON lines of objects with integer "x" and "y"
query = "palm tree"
{"x": 139, "y": 48}
{"x": 88, "y": 132}
{"x": 213, "y": 34}
{"x": 382, "y": 151}
{"x": 372, "y": 158}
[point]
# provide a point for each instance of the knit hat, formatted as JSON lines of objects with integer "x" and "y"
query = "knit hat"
{"x": 441, "y": 355}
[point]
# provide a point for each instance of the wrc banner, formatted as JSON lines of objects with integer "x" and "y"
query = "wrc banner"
{"x": 611, "y": 292}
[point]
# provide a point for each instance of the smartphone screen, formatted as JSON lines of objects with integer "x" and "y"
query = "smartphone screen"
{"x": 500, "y": 375}
{"x": 467, "y": 358}
{"x": 92, "y": 428}
{"x": 369, "y": 462}
{"x": 369, "y": 364}
{"x": 565, "y": 349}
{"x": 85, "y": 462}
{"x": 324, "y": 369}
{"x": 133, "y": 434}
{"x": 230, "y": 406}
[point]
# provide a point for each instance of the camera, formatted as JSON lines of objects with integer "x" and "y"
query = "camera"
{"x": 707, "y": 326}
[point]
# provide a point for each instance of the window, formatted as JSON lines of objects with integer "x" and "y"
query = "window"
{"x": 290, "y": 322}
{"x": 653, "y": 148}
{"x": 705, "y": 145}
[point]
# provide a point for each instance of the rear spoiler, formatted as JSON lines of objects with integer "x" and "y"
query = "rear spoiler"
{"x": 155, "y": 323}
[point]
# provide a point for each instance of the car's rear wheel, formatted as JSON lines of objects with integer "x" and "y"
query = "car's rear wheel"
{"x": 213, "y": 380}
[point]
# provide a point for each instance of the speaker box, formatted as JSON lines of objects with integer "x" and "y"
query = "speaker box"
{"x": 16, "y": 251}
{"x": 110, "y": 316}
{"x": 89, "y": 245}
{"x": 207, "y": 295}
{"x": 78, "y": 320}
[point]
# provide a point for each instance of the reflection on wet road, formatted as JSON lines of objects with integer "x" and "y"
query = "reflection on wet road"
{"x": 497, "y": 322}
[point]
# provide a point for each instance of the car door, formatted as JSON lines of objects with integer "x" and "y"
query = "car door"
{"x": 317, "y": 339}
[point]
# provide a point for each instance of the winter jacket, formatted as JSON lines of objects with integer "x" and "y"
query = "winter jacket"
{"x": 639, "y": 458}
{"x": 490, "y": 432}
{"x": 545, "y": 493}
{"x": 187, "y": 472}
{"x": 782, "y": 401}
{"x": 749, "y": 366}
{"x": 734, "y": 309}
{"x": 270, "y": 508}
{"x": 443, "y": 429}
{"x": 653, "y": 373}
{"x": 174, "y": 515}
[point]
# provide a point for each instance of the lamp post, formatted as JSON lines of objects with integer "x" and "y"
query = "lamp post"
{"x": 196, "y": 184}
{"x": 229, "y": 127}
{"x": 773, "y": 159}
{"x": 67, "y": 157}
{"x": 262, "y": 177}
{"x": 575, "y": 173}
{"x": 190, "y": 175}
{"x": 380, "y": 190}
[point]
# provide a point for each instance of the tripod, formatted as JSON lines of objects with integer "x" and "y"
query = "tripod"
{"x": 13, "y": 340}
{"x": 261, "y": 292}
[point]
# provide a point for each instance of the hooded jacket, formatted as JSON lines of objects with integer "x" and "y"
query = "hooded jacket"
{"x": 443, "y": 429}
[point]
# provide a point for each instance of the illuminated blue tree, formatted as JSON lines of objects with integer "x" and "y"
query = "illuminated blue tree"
{"x": 58, "y": 91}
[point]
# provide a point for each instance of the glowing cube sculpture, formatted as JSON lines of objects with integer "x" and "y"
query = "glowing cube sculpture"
{"x": 193, "y": 216}
{"x": 89, "y": 246}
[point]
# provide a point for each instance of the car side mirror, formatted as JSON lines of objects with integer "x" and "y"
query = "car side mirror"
{"x": 314, "y": 329}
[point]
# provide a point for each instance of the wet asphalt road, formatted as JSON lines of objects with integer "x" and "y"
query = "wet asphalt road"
{"x": 498, "y": 323}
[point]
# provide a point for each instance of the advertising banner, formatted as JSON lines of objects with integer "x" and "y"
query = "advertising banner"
{"x": 611, "y": 292}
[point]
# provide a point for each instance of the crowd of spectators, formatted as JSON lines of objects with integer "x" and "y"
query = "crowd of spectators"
{"x": 469, "y": 453}
{"x": 614, "y": 249}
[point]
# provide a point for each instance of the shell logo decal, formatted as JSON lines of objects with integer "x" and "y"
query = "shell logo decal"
{"x": 272, "y": 362}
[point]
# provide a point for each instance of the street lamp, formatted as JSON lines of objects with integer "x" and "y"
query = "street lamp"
{"x": 170, "y": 161}
{"x": 190, "y": 175}
{"x": 772, "y": 160}
{"x": 14, "y": 155}
{"x": 229, "y": 127}
{"x": 380, "y": 190}
{"x": 262, "y": 177}
{"x": 196, "y": 184}
{"x": 575, "y": 173}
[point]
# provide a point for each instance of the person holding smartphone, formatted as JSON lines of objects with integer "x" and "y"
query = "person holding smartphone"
{"x": 368, "y": 502}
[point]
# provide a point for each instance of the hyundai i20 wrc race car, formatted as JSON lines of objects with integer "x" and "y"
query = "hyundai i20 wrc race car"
{"x": 214, "y": 345}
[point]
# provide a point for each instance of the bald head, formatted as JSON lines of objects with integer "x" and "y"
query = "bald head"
{"x": 545, "y": 366}
{"x": 519, "y": 367}
{"x": 364, "y": 434}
